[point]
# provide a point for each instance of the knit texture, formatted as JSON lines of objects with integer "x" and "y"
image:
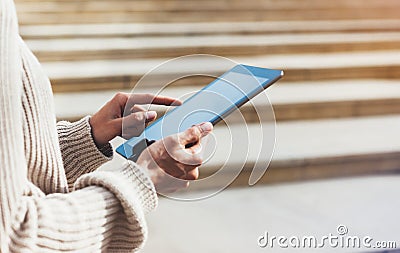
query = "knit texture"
{"x": 52, "y": 198}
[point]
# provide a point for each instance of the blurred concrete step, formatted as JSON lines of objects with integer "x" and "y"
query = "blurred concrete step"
{"x": 62, "y": 12}
{"x": 211, "y": 16}
{"x": 206, "y": 28}
{"x": 63, "y": 6}
{"x": 123, "y": 74}
{"x": 298, "y": 101}
{"x": 308, "y": 150}
{"x": 304, "y": 150}
{"x": 223, "y": 45}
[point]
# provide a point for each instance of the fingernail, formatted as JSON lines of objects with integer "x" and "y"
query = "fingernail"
{"x": 177, "y": 103}
{"x": 206, "y": 127}
{"x": 151, "y": 115}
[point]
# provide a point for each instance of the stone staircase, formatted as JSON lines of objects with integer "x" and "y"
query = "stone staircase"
{"x": 103, "y": 11}
{"x": 337, "y": 108}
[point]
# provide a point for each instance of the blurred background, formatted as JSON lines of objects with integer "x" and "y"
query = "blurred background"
{"x": 337, "y": 154}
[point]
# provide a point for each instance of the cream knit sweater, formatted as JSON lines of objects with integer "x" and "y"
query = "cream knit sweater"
{"x": 51, "y": 197}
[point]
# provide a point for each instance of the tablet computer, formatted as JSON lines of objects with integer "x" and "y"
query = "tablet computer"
{"x": 212, "y": 103}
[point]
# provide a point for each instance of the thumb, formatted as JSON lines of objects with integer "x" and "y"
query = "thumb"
{"x": 195, "y": 133}
{"x": 134, "y": 124}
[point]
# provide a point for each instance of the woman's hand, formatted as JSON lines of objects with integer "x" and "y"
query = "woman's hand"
{"x": 177, "y": 155}
{"x": 124, "y": 111}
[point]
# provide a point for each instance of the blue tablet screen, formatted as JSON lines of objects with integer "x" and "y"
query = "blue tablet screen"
{"x": 212, "y": 103}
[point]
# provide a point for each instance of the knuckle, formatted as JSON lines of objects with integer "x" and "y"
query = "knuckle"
{"x": 194, "y": 131}
{"x": 169, "y": 141}
{"x": 173, "y": 139}
{"x": 193, "y": 174}
{"x": 139, "y": 116}
{"x": 190, "y": 177}
{"x": 148, "y": 96}
{"x": 119, "y": 96}
{"x": 197, "y": 159}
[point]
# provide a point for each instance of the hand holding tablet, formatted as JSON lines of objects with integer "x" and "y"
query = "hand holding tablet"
{"x": 211, "y": 104}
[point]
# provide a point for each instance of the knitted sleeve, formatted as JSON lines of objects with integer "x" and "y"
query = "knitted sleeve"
{"x": 106, "y": 210}
{"x": 105, "y": 213}
{"x": 79, "y": 152}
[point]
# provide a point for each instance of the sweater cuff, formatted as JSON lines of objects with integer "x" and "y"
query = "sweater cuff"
{"x": 79, "y": 152}
{"x": 130, "y": 184}
{"x": 136, "y": 195}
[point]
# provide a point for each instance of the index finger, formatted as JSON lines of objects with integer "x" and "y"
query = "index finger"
{"x": 147, "y": 98}
{"x": 195, "y": 133}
